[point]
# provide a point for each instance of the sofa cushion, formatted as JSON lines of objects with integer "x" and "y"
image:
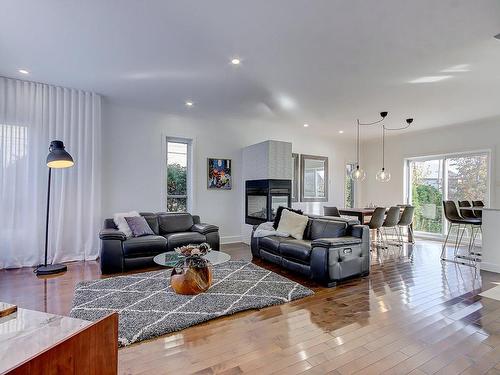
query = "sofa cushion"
{"x": 279, "y": 211}
{"x": 296, "y": 249}
{"x": 152, "y": 221}
{"x": 271, "y": 243}
{"x": 121, "y": 223}
{"x": 139, "y": 226}
{"x": 293, "y": 224}
{"x": 183, "y": 238}
{"x": 172, "y": 223}
{"x": 327, "y": 229}
{"x": 143, "y": 246}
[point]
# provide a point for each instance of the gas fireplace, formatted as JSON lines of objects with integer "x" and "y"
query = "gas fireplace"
{"x": 263, "y": 197}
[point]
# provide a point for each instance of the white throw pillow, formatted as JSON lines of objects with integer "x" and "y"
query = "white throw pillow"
{"x": 122, "y": 224}
{"x": 292, "y": 223}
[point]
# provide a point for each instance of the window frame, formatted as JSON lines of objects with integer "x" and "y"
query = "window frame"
{"x": 303, "y": 158}
{"x": 189, "y": 177}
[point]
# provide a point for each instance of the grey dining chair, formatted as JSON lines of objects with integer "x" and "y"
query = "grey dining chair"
{"x": 405, "y": 221}
{"x": 376, "y": 222}
{"x": 391, "y": 221}
{"x": 331, "y": 211}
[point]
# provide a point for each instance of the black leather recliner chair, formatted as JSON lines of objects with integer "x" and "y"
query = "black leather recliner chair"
{"x": 119, "y": 253}
{"x": 332, "y": 250}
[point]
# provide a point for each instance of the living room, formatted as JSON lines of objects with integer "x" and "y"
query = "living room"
{"x": 282, "y": 187}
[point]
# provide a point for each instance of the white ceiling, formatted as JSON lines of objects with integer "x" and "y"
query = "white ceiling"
{"x": 321, "y": 62}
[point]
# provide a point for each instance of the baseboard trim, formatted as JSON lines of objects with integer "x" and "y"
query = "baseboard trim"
{"x": 491, "y": 267}
{"x": 230, "y": 239}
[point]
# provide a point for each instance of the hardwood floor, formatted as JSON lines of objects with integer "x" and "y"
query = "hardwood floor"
{"x": 411, "y": 315}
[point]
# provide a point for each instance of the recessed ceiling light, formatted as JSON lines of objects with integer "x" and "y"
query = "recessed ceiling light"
{"x": 341, "y": 132}
{"x": 306, "y": 125}
{"x": 429, "y": 79}
{"x": 456, "y": 69}
{"x": 23, "y": 71}
{"x": 189, "y": 103}
{"x": 236, "y": 61}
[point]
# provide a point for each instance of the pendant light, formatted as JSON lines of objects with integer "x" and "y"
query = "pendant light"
{"x": 358, "y": 174}
{"x": 383, "y": 175}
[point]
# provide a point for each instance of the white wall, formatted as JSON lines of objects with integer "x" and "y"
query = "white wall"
{"x": 134, "y": 162}
{"x": 471, "y": 136}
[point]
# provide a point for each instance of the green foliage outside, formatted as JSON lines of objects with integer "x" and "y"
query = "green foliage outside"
{"x": 176, "y": 185}
{"x": 424, "y": 221}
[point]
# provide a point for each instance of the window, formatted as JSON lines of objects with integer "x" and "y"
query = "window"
{"x": 447, "y": 177}
{"x": 295, "y": 178}
{"x": 314, "y": 178}
{"x": 349, "y": 186}
{"x": 178, "y": 174}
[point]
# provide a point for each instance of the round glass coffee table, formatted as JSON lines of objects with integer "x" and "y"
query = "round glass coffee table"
{"x": 170, "y": 258}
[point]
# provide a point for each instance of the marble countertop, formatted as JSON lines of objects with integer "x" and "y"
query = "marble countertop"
{"x": 28, "y": 333}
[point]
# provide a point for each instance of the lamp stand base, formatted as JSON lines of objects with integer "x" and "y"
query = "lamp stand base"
{"x": 50, "y": 269}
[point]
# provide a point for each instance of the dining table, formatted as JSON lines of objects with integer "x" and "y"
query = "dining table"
{"x": 364, "y": 215}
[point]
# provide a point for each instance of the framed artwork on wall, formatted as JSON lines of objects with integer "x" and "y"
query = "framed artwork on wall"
{"x": 219, "y": 174}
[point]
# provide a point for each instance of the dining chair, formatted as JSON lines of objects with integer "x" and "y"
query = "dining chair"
{"x": 331, "y": 211}
{"x": 391, "y": 221}
{"x": 405, "y": 221}
{"x": 376, "y": 222}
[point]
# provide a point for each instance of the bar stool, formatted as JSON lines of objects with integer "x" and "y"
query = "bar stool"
{"x": 455, "y": 220}
{"x": 405, "y": 221}
{"x": 376, "y": 222}
{"x": 331, "y": 211}
{"x": 478, "y": 213}
{"x": 474, "y": 221}
{"x": 391, "y": 221}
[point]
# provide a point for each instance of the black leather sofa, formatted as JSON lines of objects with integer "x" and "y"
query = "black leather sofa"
{"x": 119, "y": 253}
{"x": 333, "y": 249}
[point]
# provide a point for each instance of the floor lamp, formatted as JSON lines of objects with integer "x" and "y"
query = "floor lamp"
{"x": 58, "y": 157}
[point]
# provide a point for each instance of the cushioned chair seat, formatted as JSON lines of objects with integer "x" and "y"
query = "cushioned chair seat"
{"x": 272, "y": 243}
{"x": 185, "y": 238}
{"x": 296, "y": 249}
{"x": 142, "y": 246}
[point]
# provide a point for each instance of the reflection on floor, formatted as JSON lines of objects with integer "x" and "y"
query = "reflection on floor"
{"x": 412, "y": 314}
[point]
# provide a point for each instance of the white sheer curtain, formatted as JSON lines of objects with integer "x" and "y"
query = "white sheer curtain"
{"x": 31, "y": 115}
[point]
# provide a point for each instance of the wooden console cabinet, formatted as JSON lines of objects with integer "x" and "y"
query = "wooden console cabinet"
{"x": 38, "y": 343}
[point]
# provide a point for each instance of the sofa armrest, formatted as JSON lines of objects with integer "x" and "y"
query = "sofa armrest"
{"x": 335, "y": 242}
{"x": 112, "y": 234}
{"x": 360, "y": 231}
{"x": 204, "y": 228}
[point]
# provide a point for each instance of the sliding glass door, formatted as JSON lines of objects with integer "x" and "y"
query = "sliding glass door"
{"x": 431, "y": 180}
{"x": 427, "y": 194}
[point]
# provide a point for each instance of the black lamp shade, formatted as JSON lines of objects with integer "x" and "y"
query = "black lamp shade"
{"x": 58, "y": 157}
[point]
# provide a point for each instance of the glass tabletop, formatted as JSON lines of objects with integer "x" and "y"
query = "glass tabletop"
{"x": 170, "y": 258}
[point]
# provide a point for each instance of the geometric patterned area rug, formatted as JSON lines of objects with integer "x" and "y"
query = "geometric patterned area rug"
{"x": 149, "y": 308}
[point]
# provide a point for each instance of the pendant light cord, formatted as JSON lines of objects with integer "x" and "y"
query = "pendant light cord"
{"x": 383, "y": 147}
{"x": 357, "y": 149}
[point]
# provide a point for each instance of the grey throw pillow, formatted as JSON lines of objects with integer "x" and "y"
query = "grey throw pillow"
{"x": 139, "y": 226}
